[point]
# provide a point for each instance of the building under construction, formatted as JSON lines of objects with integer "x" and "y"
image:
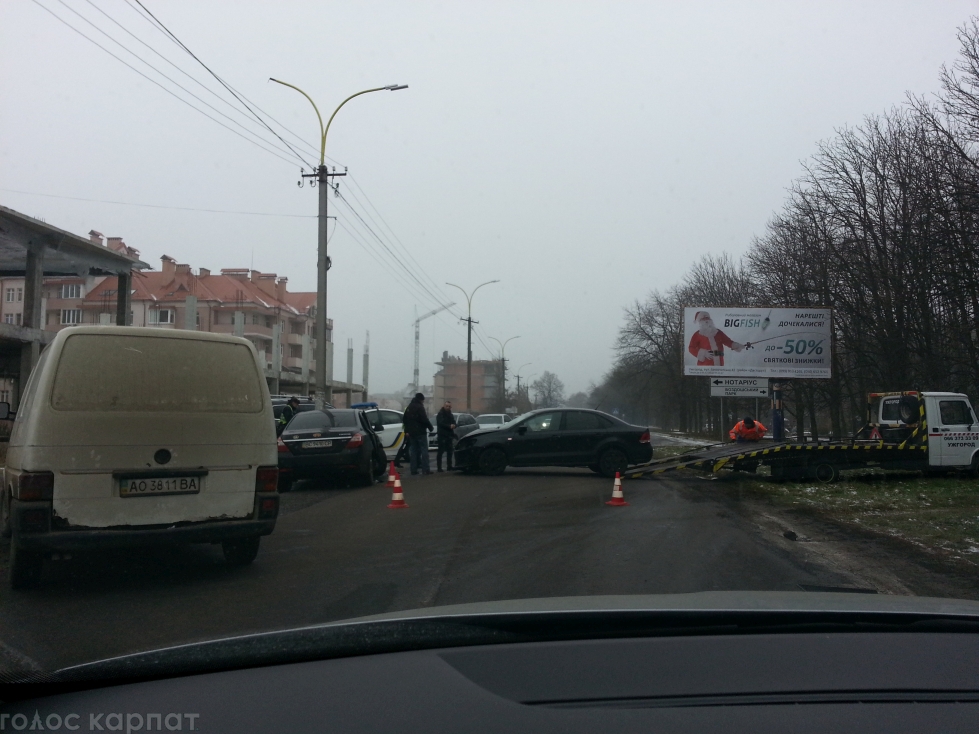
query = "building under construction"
{"x": 450, "y": 384}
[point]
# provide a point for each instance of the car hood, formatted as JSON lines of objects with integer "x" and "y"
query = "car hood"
{"x": 483, "y": 431}
{"x": 535, "y": 620}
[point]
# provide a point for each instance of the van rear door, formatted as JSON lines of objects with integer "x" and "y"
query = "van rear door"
{"x": 153, "y": 429}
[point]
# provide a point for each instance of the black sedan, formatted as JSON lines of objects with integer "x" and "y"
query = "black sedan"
{"x": 556, "y": 437}
{"x": 319, "y": 444}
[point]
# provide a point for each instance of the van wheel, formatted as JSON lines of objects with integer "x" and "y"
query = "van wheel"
{"x": 25, "y": 567}
{"x": 4, "y": 514}
{"x": 612, "y": 461}
{"x": 241, "y": 552}
{"x": 974, "y": 469}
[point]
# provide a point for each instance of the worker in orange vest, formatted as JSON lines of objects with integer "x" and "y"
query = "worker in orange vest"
{"x": 747, "y": 430}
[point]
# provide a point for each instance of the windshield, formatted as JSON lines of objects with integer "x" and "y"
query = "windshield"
{"x": 623, "y": 299}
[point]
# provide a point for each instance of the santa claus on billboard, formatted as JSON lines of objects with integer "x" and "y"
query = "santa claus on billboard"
{"x": 708, "y": 342}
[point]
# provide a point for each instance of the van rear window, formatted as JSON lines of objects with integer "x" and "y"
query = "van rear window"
{"x": 153, "y": 374}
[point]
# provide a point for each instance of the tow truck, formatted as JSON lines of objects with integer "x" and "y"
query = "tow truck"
{"x": 933, "y": 432}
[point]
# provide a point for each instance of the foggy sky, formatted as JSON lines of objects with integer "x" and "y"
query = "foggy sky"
{"x": 582, "y": 153}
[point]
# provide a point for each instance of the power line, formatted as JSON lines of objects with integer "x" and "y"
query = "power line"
{"x": 161, "y": 206}
{"x": 244, "y": 104}
{"x": 439, "y": 301}
{"x": 171, "y": 63}
{"x": 302, "y": 141}
{"x": 169, "y": 79}
{"x": 403, "y": 248}
{"x": 171, "y": 93}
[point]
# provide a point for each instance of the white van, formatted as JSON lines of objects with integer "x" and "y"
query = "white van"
{"x": 132, "y": 435}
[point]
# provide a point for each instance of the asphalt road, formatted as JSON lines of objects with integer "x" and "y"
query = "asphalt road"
{"x": 338, "y": 553}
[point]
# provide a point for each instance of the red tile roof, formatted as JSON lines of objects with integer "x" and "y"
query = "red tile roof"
{"x": 172, "y": 287}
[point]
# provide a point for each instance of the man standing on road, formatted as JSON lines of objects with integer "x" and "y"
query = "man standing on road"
{"x": 417, "y": 426}
{"x": 287, "y": 413}
{"x": 446, "y": 423}
{"x": 747, "y": 430}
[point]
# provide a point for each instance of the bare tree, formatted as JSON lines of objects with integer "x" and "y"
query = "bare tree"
{"x": 548, "y": 390}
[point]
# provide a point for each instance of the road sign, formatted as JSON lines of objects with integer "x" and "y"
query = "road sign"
{"x": 738, "y": 387}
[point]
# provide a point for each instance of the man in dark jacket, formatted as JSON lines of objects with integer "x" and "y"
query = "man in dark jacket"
{"x": 446, "y": 423}
{"x": 417, "y": 426}
{"x": 287, "y": 413}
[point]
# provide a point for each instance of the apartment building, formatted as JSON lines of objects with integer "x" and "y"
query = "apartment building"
{"x": 61, "y": 297}
{"x": 175, "y": 297}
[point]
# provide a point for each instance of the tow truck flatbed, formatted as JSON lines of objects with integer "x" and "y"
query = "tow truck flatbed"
{"x": 791, "y": 460}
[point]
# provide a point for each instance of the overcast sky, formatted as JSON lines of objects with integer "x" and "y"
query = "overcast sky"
{"x": 582, "y": 153}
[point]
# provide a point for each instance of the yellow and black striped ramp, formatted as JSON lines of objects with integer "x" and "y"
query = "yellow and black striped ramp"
{"x": 788, "y": 454}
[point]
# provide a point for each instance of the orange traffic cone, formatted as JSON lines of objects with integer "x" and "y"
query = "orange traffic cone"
{"x": 391, "y": 475}
{"x": 618, "y": 499}
{"x": 397, "y": 497}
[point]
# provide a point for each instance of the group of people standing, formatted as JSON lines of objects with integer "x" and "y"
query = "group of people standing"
{"x": 417, "y": 426}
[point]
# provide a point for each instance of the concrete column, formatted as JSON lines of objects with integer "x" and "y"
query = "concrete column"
{"x": 328, "y": 367}
{"x": 190, "y": 313}
{"x": 29, "y": 353}
{"x": 239, "y": 323}
{"x": 277, "y": 348}
{"x": 367, "y": 353}
{"x": 307, "y": 356}
{"x": 124, "y": 298}
{"x": 350, "y": 362}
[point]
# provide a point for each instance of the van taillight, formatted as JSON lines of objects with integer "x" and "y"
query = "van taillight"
{"x": 644, "y": 438}
{"x": 356, "y": 440}
{"x": 267, "y": 479}
{"x": 35, "y": 486}
{"x": 281, "y": 445}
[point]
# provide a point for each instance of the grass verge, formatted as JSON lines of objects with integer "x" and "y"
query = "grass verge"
{"x": 939, "y": 515}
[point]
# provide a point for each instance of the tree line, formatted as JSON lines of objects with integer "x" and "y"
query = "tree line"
{"x": 882, "y": 228}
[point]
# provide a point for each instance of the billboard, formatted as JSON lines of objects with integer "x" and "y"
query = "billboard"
{"x": 758, "y": 342}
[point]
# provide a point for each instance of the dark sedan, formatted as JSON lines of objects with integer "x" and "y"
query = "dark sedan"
{"x": 556, "y": 437}
{"x": 329, "y": 443}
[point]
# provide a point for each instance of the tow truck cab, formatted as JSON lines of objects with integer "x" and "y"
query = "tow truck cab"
{"x": 951, "y": 429}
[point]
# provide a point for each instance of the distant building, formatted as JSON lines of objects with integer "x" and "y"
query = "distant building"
{"x": 450, "y": 384}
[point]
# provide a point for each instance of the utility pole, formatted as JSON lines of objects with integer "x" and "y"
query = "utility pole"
{"x": 324, "y": 390}
{"x": 503, "y": 362}
{"x": 469, "y": 339}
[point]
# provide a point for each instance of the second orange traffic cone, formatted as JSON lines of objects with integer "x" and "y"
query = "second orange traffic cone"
{"x": 397, "y": 496}
{"x": 391, "y": 475}
{"x": 618, "y": 499}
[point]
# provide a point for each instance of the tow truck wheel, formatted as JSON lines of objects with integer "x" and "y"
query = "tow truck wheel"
{"x": 974, "y": 469}
{"x": 826, "y": 473}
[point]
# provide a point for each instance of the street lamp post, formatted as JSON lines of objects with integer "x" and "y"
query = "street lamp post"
{"x": 324, "y": 391}
{"x": 469, "y": 339}
{"x": 503, "y": 369}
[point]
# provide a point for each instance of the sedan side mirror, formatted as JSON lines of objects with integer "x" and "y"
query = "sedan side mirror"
{"x": 378, "y": 426}
{"x": 522, "y": 430}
